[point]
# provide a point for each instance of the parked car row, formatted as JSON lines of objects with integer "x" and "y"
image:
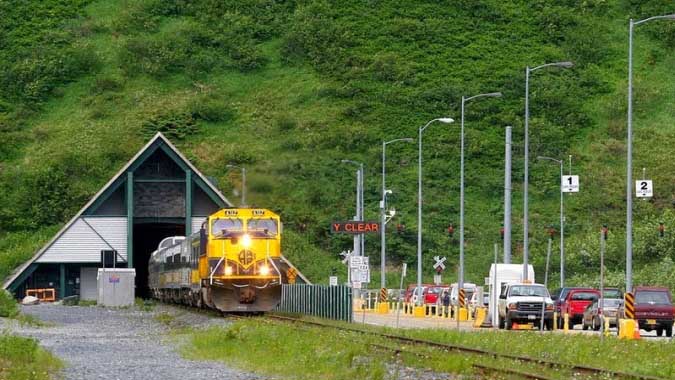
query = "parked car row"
{"x": 433, "y": 294}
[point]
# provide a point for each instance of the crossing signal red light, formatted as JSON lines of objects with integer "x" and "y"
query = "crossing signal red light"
{"x": 451, "y": 230}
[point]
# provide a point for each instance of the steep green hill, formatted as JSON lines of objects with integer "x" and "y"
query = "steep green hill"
{"x": 288, "y": 89}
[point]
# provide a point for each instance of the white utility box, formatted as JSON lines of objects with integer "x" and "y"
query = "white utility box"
{"x": 116, "y": 286}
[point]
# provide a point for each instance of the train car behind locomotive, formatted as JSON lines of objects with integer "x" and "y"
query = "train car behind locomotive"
{"x": 233, "y": 263}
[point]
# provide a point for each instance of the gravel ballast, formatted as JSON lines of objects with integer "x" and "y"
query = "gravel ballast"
{"x": 124, "y": 344}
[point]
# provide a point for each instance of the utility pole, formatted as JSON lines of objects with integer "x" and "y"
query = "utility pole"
{"x": 507, "y": 197}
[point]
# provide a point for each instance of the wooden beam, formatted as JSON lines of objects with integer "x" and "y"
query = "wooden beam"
{"x": 130, "y": 219}
{"x": 188, "y": 202}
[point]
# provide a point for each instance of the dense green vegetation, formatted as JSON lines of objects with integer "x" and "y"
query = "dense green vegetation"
{"x": 310, "y": 352}
{"x": 23, "y": 359}
{"x": 288, "y": 89}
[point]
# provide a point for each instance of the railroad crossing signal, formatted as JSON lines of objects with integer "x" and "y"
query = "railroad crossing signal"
{"x": 438, "y": 265}
{"x": 644, "y": 188}
{"x": 346, "y": 255}
{"x": 570, "y": 183}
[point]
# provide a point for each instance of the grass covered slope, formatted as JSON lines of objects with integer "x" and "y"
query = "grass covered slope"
{"x": 288, "y": 89}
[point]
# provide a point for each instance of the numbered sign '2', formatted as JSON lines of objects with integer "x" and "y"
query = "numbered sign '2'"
{"x": 644, "y": 188}
{"x": 570, "y": 183}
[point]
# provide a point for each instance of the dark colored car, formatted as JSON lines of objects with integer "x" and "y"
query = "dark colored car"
{"x": 653, "y": 309}
{"x": 592, "y": 314}
{"x": 613, "y": 293}
{"x": 575, "y": 303}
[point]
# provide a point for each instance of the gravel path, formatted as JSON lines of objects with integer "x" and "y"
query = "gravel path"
{"x": 124, "y": 344}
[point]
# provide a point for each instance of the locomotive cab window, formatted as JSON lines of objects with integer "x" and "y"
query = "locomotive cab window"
{"x": 262, "y": 228}
{"x": 226, "y": 227}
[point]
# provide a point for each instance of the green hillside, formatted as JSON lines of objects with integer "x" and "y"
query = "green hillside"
{"x": 290, "y": 88}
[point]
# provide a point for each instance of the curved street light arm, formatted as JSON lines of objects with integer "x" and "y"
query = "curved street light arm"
{"x": 563, "y": 64}
{"x": 406, "y": 139}
{"x": 667, "y": 17}
{"x": 550, "y": 159}
{"x": 489, "y": 94}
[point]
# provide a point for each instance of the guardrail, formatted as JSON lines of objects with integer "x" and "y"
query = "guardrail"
{"x": 331, "y": 302}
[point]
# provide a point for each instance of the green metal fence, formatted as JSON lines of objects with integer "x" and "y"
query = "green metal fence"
{"x": 331, "y": 302}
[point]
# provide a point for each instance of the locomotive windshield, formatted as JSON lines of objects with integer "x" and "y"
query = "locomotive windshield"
{"x": 227, "y": 227}
{"x": 262, "y": 228}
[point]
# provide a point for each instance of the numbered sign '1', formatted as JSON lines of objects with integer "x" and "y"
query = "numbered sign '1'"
{"x": 644, "y": 188}
{"x": 570, "y": 183}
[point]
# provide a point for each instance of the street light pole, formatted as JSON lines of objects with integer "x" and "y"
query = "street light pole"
{"x": 629, "y": 158}
{"x": 445, "y": 120}
{"x": 243, "y": 182}
{"x": 358, "y": 243}
{"x": 562, "y": 221}
{"x": 528, "y": 70}
{"x": 383, "y": 206}
{"x": 460, "y": 282}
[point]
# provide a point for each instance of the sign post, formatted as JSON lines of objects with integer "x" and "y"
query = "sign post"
{"x": 404, "y": 269}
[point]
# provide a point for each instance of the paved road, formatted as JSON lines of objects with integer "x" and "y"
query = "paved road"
{"x": 125, "y": 344}
{"x": 407, "y": 321}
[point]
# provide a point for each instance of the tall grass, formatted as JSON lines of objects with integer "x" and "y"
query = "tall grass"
{"x": 23, "y": 359}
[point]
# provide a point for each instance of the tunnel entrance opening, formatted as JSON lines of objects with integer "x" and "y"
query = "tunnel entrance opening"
{"x": 147, "y": 237}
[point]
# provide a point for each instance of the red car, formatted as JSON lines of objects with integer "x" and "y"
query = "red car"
{"x": 433, "y": 292}
{"x": 575, "y": 302}
{"x": 411, "y": 292}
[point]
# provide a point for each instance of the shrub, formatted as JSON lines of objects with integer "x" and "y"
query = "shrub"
{"x": 175, "y": 124}
{"x": 286, "y": 123}
{"x": 211, "y": 109}
{"x": 8, "y": 306}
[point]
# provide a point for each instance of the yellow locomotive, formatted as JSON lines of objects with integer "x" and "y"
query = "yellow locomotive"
{"x": 233, "y": 264}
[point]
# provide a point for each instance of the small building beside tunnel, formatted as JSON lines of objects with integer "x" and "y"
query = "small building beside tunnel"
{"x": 157, "y": 194}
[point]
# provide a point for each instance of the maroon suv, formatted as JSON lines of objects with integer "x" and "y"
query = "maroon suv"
{"x": 654, "y": 309}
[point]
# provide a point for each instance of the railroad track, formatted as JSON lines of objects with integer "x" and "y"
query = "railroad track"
{"x": 578, "y": 369}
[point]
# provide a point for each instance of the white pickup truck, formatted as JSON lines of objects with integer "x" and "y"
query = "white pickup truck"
{"x": 522, "y": 303}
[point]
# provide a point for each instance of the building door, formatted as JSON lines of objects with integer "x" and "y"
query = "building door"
{"x": 88, "y": 284}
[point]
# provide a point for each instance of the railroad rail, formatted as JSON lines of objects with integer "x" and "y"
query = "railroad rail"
{"x": 581, "y": 369}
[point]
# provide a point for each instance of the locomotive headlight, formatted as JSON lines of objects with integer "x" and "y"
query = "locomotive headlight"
{"x": 246, "y": 241}
{"x": 228, "y": 270}
{"x": 264, "y": 270}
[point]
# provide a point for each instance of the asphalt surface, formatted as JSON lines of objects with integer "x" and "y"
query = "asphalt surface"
{"x": 407, "y": 321}
{"x": 124, "y": 344}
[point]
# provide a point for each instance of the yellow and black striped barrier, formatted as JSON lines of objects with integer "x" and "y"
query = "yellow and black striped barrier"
{"x": 383, "y": 306}
{"x": 462, "y": 298}
{"x": 629, "y": 303}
